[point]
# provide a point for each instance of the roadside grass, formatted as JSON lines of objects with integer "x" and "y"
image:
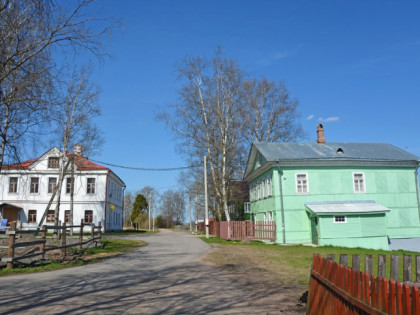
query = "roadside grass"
{"x": 292, "y": 263}
{"x": 108, "y": 248}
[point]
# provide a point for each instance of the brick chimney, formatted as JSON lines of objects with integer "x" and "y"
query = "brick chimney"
{"x": 78, "y": 150}
{"x": 320, "y": 134}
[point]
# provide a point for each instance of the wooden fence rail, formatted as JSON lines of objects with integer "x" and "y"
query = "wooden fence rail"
{"x": 337, "y": 289}
{"x": 240, "y": 230}
{"x": 42, "y": 249}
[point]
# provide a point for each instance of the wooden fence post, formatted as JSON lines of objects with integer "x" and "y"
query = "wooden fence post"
{"x": 355, "y": 262}
{"x": 381, "y": 266}
{"x": 99, "y": 231}
{"x": 63, "y": 241}
{"x": 81, "y": 234}
{"x": 12, "y": 238}
{"x": 417, "y": 268}
{"x": 43, "y": 238}
{"x": 92, "y": 231}
{"x": 407, "y": 268}
{"x": 343, "y": 259}
{"x": 369, "y": 264}
{"x": 394, "y": 267}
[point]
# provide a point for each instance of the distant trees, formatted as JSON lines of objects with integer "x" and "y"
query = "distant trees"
{"x": 128, "y": 208}
{"x": 172, "y": 206}
{"x": 220, "y": 113}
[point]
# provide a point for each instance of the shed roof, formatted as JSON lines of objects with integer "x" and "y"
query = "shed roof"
{"x": 275, "y": 151}
{"x": 345, "y": 207}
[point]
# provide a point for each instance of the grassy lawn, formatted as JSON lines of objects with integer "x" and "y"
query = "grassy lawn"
{"x": 109, "y": 248}
{"x": 290, "y": 264}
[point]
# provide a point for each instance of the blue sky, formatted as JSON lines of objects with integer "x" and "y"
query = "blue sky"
{"x": 353, "y": 65}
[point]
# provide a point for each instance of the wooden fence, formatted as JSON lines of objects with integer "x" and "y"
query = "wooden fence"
{"x": 240, "y": 230}
{"x": 41, "y": 248}
{"x": 337, "y": 289}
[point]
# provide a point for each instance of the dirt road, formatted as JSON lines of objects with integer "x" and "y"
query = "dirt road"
{"x": 165, "y": 277}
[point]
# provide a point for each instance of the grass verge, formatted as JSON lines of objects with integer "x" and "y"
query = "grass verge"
{"x": 108, "y": 248}
{"x": 291, "y": 264}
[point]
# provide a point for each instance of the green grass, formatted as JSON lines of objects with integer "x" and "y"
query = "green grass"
{"x": 108, "y": 248}
{"x": 298, "y": 258}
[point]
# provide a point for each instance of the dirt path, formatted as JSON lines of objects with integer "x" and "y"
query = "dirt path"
{"x": 165, "y": 277}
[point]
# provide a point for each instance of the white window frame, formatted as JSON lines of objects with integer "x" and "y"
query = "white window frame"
{"x": 51, "y": 188}
{"x": 298, "y": 185}
{"x": 339, "y": 220}
{"x": 13, "y": 187}
{"x": 259, "y": 191}
{"x": 91, "y": 187}
{"x": 34, "y": 186}
{"x": 247, "y": 207}
{"x": 263, "y": 189}
{"x": 363, "y": 191}
{"x": 269, "y": 188}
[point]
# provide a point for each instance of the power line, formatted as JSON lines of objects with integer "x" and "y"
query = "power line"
{"x": 149, "y": 169}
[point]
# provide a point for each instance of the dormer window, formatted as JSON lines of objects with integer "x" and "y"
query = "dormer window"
{"x": 53, "y": 162}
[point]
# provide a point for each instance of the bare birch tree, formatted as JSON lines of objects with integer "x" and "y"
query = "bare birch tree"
{"x": 220, "y": 113}
{"x": 73, "y": 123}
{"x": 30, "y": 32}
{"x": 172, "y": 205}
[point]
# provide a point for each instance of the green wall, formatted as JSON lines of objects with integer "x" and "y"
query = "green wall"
{"x": 392, "y": 187}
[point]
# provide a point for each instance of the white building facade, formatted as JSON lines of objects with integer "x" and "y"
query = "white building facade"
{"x": 26, "y": 189}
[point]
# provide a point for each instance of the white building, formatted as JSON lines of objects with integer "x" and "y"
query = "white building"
{"x": 26, "y": 189}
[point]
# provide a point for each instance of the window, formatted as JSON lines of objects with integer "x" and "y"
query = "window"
{"x": 53, "y": 162}
{"x": 340, "y": 219}
{"x": 67, "y": 216}
{"x": 52, "y": 182}
{"x": 269, "y": 189}
{"x": 33, "y": 189}
{"x": 32, "y": 216}
{"x": 90, "y": 186}
{"x": 88, "y": 216}
{"x": 51, "y": 216}
{"x": 13, "y": 181}
{"x": 246, "y": 207}
{"x": 69, "y": 186}
{"x": 263, "y": 189}
{"x": 302, "y": 186}
{"x": 359, "y": 182}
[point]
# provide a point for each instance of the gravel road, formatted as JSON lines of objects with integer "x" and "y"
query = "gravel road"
{"x": 165, "y": 277}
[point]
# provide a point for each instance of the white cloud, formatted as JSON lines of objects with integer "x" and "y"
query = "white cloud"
{"x": 310, "y": 117}
{"x": 329, "y": 119}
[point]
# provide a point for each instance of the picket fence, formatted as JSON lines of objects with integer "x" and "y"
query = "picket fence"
{"x": 337, "y": 289}
{"x": 241, "y": 230}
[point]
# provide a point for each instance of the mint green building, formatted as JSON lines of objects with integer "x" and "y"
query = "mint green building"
{"x": 342, "y": 194}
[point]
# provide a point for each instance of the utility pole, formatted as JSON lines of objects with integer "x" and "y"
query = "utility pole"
{"x": 206, "y": 222}
{"x": 189, "y": 204}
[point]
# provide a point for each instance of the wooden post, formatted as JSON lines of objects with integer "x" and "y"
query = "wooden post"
{"x": 407, "y": 268}
{"x": 58, "y": 230}
{"x": 394, "y": 267}
{"x": 343, "y": 259}
{"x": 12, "y": 238}
{"x": 331, "y": 257}
{"x": 369, "y": 264}
{"x": 44, "y": 238}
{"x": 355, "y": 262}
{"x": 99, "y": 231}
{"x": 81, "y": 234}
{"x": 381, "y": 265}
{"x": 417, "y": 268}
{"x": 92, "y": 231}
{"x": 63, "y": 241}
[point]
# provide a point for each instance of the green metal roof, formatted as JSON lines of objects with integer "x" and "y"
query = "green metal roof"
{"x": 345, "y": 207}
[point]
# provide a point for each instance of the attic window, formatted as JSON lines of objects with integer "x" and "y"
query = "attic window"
{"x": 340, "y": 151}
{"x": 53, "y": 162}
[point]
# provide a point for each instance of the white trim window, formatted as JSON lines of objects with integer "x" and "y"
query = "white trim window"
{"x": 359, "y": 183}
{"x": 263, "y": 189}
{"x": 259, "y": 191}
{"x": 269, "y": 188}
{"x": 340, "y": 219}
{"x": 302, "y": 183}
{"x": 13, "y": 185}
{"x": 91, "y": 185}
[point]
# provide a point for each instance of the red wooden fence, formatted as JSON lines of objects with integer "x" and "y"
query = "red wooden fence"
{"x": 337, "y": 289}
{"x": 240, "y": 230}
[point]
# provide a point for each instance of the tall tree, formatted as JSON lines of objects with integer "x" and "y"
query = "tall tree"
{"x": 128, "y": 207}
{"x": 139, "y": 206}
{"x": 30, "y": 32}
{"x": 219, "y": 113}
